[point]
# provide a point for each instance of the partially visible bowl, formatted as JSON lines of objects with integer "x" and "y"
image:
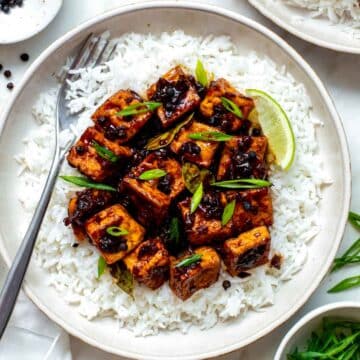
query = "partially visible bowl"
{"x": 23, "y": 22}
{"x": 301, "y": 331}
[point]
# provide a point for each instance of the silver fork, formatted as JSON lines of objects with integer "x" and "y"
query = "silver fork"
{"x": 92, "y": 53}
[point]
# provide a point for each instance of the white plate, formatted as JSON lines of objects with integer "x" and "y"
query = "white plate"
{"x": 27, "y": 20}
{"x": 319, "y": 31}
{"x": 248, "y": 35}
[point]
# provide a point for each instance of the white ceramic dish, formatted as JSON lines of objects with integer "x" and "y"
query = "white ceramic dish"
{"x": 319, "y": 31}
{"x": 300, "y": 332}
{"x": 27, "y": 20}
{"x": 248, "y": 35}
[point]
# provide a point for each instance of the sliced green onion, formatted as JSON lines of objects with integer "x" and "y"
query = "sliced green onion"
{"x": 104, "y": 152}
{"x": 101, "y": 266}
{"x": 189, "y": 260}
{"x": 85, "y": 182}
{"x": 139, "y": 108}
{"x": 201, "y": 74}
{"x": 196, "y": 198}
{"x": 351, "y": 256}
{"x": 210, "y": 136}
{"x": 346, "y": 284}
{"x": 228, "y": 212}
{"x": 232, "y": 107}
{"x": 354, "y": 220}
{"x": 116, "y": 231}
{"x": 174, "y": 230}
{"x": 152, "y": 174}
{"x": 242, "y": 184}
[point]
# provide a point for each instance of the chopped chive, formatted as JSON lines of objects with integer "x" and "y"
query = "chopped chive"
{"x": 116, "y": 231}
{"x": 196, "y": 198}
{"x": 231, "y": 106}
{"x": 139, "y": 108}
{"x": 210, "y": 136}
{"x": 152, "y": 174}
{"x": 85, "y": 182}
{"x": 189, "y": 260}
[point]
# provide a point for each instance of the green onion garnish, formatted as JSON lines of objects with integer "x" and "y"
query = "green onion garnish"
{"x": 101, "y": 266}
{"x": 354, "y": 220}
{"x": 116, "y": 231}
{"x": 210, "y": 136}
{"x": 189, "y": 260}
{"x": 351, "y": 256}
{"x": 231, "y": 106}
{"x": 242, "y": 184}
{"x": 139, "y": 108}
{"x": 85, "y": 182}
{"x": 196, "y": 198}
{"x": 346, "y": 284}
{"x": 228, "y": 212}
{"x": 174, "y": 230}
{"x": 201, "y": 74}
{"x": 152, "y": 174}
{"x": 104, "y": 152}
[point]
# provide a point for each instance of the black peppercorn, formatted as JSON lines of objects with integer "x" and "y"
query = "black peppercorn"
{"x": 10, "y": 85}
{"x": 1, "y": 67}
{"x": 226, "y": 284}
{"x": 7, "y": 73}
{"x": 24, "y": 57}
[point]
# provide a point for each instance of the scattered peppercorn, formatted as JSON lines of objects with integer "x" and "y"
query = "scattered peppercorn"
{"x": 7, "y": 73}
{"x": 75, "y": 245}
{"x": 1, "y": 67}
{"x": 24, "y": 57}
{"x": 5, "y": 5}
{"x": 226, "y": 284}
{"x": 10, "y": 85}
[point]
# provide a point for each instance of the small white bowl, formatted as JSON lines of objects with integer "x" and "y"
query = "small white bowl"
{"x": 301, "y": 331}
{"x": 23, "y": 22}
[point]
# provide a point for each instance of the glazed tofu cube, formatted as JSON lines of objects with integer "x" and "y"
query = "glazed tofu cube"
{"x": 199, "y": 152}
{"x": 152, "y": 198}
{"x": 243, "y": 157}
{"x": 249, "y": 250}
{"x": 204, "y": 225}
{"x": 116, "y": 127}
{"x": 253, "y": 208}
{"x": 84, "y": 156}
{"x": 114, "y": 248}
{"x": 211, "y": 106}
{"x": 83, "y": 205}
{"x": 186, "y": 280}
{"x": 177, "y": 92}
{"x": 149, "y": 263}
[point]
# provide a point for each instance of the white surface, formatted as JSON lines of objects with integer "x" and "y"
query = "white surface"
{"x": 311, "y": 322}
{"x": 319, "y": 31}
{"x": 29, "y": 19}
{"x": 340, "y": 73}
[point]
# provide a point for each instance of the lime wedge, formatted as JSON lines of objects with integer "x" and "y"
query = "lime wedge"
{"x": 276, "y": 127}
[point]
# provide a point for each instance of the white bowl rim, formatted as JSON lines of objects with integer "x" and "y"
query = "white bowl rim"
{"x": 293, "y": 30}
{"x": 186, "y": 5}
{"x": 308, "y": 317}
{"x": 37, "y": 30}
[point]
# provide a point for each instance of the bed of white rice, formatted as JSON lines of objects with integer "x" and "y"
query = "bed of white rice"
{"x": 337, "y": 11}
{"x": 140, "y": 60}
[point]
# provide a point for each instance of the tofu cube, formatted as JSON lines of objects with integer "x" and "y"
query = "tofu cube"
{"x": 149, "y": 263}
{"x": 116, "y": 127}
{"x": 114, "y": 248}
{"x": 253, "y": 208}
{"x": 177, "y": 93}
{"x": 247, "y": 251}
{"x": 199, "y": 152}
{"x": 86, "y": 159}
{"x": 243, "y": 157}
{"x": 83, "y": 205}
{"x": 204, "y": 225}
{"x": 186, "y": 280}
{"x": 152, "y": 198}
{"x": 211, "y": 106}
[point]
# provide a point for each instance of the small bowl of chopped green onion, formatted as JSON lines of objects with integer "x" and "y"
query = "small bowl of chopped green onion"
{"x": 329, "y": 332}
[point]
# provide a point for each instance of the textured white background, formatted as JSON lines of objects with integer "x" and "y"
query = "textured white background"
{"x": 339, "y": 72}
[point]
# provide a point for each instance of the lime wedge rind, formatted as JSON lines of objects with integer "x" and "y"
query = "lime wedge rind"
{"x": 286, "y": 127}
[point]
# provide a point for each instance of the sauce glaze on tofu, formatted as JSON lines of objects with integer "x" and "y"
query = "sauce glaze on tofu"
{"x": 145, "y": 221}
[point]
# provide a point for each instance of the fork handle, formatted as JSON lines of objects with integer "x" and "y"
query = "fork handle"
{"x": 18, "y": 268}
